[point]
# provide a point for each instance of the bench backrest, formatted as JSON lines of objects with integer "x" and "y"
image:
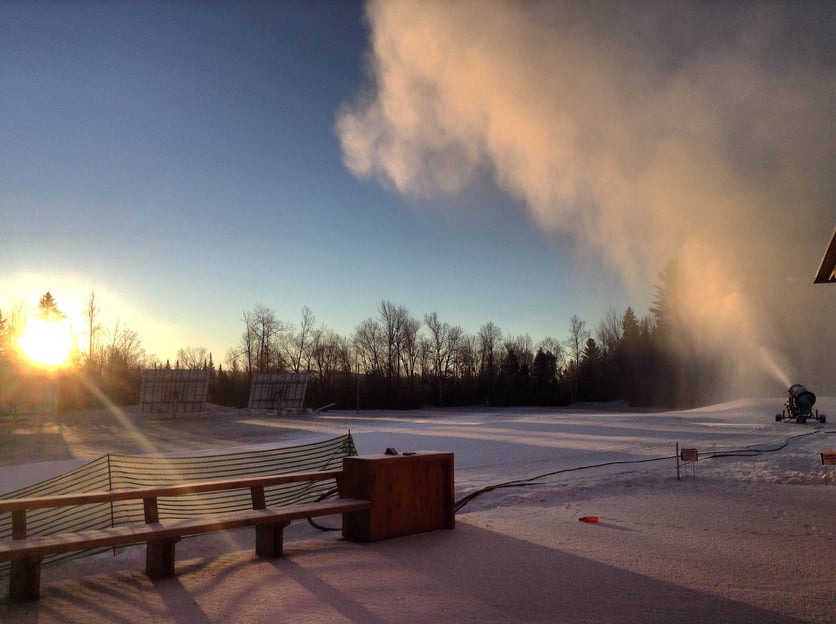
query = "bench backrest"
{"x": 100, "y": 478}
{"x": 828, "y": 458}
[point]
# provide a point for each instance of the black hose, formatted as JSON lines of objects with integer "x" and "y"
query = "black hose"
{"x": 313, "y": 522}
{"x": 754, "y": 452}
{"x": 526, "y": 482}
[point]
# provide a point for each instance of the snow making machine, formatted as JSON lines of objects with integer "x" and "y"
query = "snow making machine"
{"x": 799, "y": 406}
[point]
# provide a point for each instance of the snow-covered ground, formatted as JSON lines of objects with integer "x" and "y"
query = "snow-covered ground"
{"x": 753, "y": 522}
{"x": 748, "y": 533}
{"x": 738, "y": 441}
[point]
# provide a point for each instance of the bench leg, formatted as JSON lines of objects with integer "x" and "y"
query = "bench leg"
{"x": 25, "y": 580}
{"x": 269, "y": 539}
{"x": 159, "y": 558}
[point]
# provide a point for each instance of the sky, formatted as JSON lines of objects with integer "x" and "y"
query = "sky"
{"x": 518, "y": 163}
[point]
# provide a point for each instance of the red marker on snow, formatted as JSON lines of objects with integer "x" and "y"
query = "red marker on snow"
{"x": 591, "y": 519}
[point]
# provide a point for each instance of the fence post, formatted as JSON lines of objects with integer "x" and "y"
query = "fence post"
{"x": 677, "y": 462}
{"x": 110, "y": 489}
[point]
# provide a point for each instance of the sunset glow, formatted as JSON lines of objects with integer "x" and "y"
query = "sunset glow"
{"x": 47, "y": 342}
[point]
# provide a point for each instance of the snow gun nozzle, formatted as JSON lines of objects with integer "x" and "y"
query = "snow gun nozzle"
{"x": 802, "y": 397}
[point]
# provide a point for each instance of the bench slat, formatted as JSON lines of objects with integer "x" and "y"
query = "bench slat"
{"x": 83, "y": 498}
{"x": 130, "y": 534}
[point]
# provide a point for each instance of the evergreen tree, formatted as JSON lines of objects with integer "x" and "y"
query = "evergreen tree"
{"x": 592, "y": 372}
{"x": 630, "y": 327}
{"x": 48, "y": 308}
{"x": 665, "y": 301}
{"x": 544, "y": 378}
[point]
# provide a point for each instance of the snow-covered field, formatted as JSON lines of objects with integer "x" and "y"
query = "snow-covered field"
{"x": 753, "y": 522}
{"x": 737, "y": 442}
{"x": 747, "y": 534}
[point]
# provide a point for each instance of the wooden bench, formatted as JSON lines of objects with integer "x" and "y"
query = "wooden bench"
{"x": 26, "y": 552}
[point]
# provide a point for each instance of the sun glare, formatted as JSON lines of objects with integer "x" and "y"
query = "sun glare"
{"x": 46, "y": 342}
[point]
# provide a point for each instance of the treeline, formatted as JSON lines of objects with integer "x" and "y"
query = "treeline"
{"x": 395, "y": 360}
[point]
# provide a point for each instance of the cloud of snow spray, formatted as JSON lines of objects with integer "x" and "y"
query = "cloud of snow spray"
{"x": 645, "y": 131}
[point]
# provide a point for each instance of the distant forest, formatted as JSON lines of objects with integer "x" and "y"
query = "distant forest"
{"x": 394, "y": 360}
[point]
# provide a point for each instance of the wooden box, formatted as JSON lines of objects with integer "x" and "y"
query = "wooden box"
{"x": 409, "y": 494}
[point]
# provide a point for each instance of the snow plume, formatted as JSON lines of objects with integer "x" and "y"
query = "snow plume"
{"x": 647, "y": 131}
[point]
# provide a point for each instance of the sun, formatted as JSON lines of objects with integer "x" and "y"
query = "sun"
{"x": 47, "y": 342}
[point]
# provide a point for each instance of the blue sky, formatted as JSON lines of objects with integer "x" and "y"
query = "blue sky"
{"x": 490, "y": 161}
{"x": 181, "y": 160}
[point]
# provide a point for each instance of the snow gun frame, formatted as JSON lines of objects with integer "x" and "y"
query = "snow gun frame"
{"x": 799, "y": 406}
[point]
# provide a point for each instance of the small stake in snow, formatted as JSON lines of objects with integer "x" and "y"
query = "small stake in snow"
{"x": 591, "y": 519}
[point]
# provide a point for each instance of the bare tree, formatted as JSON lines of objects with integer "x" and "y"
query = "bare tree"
{"x": 234, "y": 357}
{"x": 437, "y": 341}
{"x": 369, "y": 346}
{"x": 125, "y": 348}
{"x": 578, "y": 335}
{"x": 489, "y": 337}
{"x": 551, "y": 346}
{"x": 425, "y": 359}
{"x": 331, "y": 354}
{"x": 522, "y": 346}
{"x": 444, "y": 344}
{"x": 466, "y": 357}
{"x": 410, "y": 345}
{"x": 608, "y": 331}
{"x": 393, "y": 319}
{"x": 91, "y": 313}
{"x": 298, "y": 346}
{"x": 455, "y": 340}
{"x": 260, "y": 340}
{"x": 15, "y": 320}
{"x": 193, "y": 358}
